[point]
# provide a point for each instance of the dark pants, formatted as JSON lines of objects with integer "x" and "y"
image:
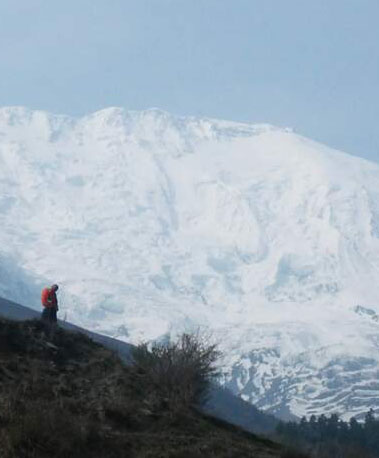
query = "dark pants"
{"x": 49, "y": 315}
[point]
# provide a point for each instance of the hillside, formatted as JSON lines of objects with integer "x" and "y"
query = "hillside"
{"x": 221, "y": 403}
{"x": 69, "y": 396}
{"x": 154, "y": 224}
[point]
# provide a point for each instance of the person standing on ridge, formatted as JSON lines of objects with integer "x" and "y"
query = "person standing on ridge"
{"x": 50, "y": 304}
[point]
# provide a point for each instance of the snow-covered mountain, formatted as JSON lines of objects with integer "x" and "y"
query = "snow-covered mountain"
{"x": 153, "y": 224}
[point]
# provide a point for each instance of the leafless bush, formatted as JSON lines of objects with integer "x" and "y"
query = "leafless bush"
{"x": 178, "y": 373}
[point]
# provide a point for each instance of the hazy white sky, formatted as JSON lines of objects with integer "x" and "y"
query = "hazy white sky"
{"x": 309, "y": 64}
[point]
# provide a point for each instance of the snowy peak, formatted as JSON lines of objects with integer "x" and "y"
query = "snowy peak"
{"x": 152, "y": 126}
{"x": 154, "y": 223}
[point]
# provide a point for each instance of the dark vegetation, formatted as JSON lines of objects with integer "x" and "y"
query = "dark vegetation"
{"x": 330, "y": 437}
{"x": 66, "y": 396}
{"x": 177, "y": 374}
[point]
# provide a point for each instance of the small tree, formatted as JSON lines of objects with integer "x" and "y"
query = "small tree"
{"x": 177, "y": 374}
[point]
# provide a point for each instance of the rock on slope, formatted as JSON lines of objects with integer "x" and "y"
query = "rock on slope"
{"x": 153, "y": 224}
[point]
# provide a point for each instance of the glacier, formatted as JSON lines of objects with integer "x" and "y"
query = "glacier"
{"x": 154, "y": 224}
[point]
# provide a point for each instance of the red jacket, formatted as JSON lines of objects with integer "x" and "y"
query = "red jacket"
{"x": 49, "y": 298}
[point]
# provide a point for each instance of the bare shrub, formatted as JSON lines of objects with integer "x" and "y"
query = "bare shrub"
{"x": 178, "y": 373}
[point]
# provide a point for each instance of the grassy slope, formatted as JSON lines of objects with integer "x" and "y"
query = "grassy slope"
{"x": 66, "y": 396}
{"x": 221, "y": 403}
